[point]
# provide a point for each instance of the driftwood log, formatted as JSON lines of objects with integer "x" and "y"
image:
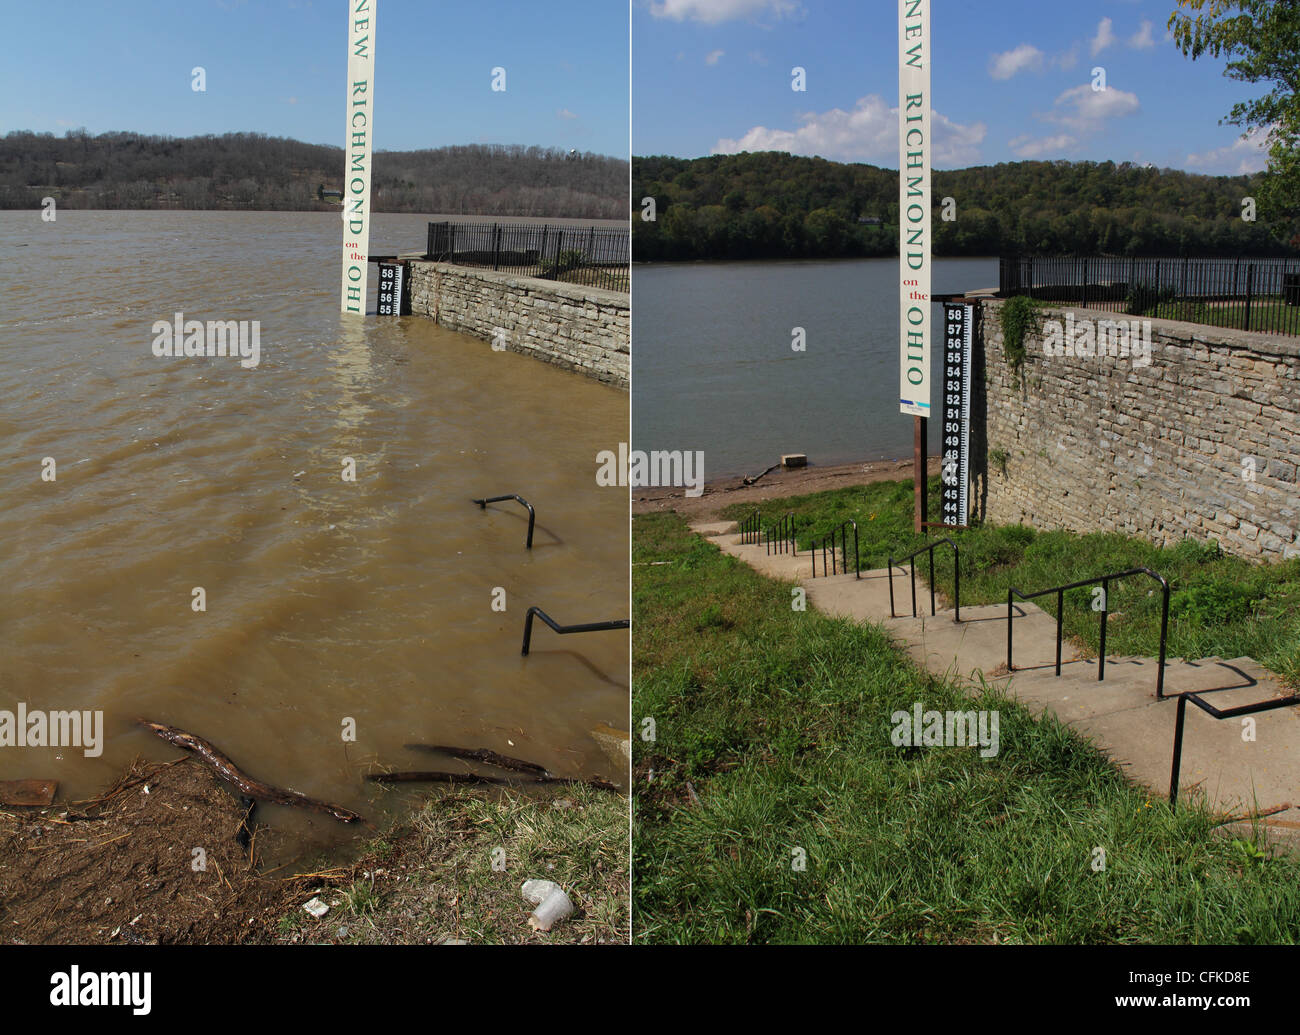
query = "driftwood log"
{"x": 249, "y": 787}
{"x": 531, "y": 772}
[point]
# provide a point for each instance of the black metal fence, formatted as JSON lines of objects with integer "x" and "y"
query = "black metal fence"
{"x": 595, "y": 256}
{"x": 1256, "y": 294}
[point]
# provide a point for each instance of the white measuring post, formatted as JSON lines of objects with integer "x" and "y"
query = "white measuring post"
{"x": 357, "y": 150}
{"x": 914, "y": 241}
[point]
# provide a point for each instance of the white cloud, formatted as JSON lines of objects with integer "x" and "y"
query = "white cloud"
{"x": 1025, "y": 57}
{"x": 1247, "y": 154}
{"x": 713, "y": 57}
{"x": 1143, "y": 39}
{"x": 1105, "y": 36}
{"x": 1040, "y": 147}
{"x": 564, "y": 113}
{"x": 711, "y": 12}
{"x": 1085, "y": 110}
{"x": 868, "y": 133}
{"x": 1068, "y": 58}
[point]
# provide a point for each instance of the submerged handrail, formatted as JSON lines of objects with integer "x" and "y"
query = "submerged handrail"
{"x": 1105, "y": 581}
{"x": 842, "y": 532}
{"x": 1225, "y": 713}
{"x": 956, "y": 577}
{"x": 532, "y": 514}
{"x": 564, "y": 630}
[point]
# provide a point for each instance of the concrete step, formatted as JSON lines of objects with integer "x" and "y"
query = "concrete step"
{"x": 708, "y": 529}
{"x": 785, "y": 566}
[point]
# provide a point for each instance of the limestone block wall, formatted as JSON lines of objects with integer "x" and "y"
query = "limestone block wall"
{"x": 1203, "y": 442}
{"x": 580, "y": 328}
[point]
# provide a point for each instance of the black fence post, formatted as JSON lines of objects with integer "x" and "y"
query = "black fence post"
{"x": 1178, "y": 751}
{"x": 1250, "y": 289}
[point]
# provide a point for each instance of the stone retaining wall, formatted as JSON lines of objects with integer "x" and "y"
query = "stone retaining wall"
{"x": 1202, "y": 442}
{"x": 580, "y": 328}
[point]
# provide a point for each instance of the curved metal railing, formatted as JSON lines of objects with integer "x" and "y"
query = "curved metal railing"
{"x": 532, "y": 514}
{"x": 1225, "y": 713}
{"x": 1105, "y": 581}
{"x": 565, "y": 630}
{"x": 823, "y": 541}
{"x": 779, "y": 538}
{"x": 956, "y": 577}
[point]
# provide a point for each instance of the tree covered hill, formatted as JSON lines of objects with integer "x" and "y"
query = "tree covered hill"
{"x": 772, "y": 204}
{"x": 254, "y": 171}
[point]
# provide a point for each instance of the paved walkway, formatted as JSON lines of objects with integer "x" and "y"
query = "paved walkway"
{"x": 1121, "y": 714}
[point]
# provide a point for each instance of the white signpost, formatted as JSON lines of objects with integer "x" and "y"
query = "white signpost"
{"x": 914, "y": 205}
{"x": 356, "y": 177}
{"x": 914, "y": 241}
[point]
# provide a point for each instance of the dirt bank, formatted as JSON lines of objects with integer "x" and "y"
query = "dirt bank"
{"x": 776, "y": 485}
{"x": 123, "y": 869}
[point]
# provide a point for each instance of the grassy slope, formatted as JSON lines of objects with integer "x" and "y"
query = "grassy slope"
{"x": 779, "y": 723}
{"x": 434, "y": 878}
{"x": 1219, "y": 605}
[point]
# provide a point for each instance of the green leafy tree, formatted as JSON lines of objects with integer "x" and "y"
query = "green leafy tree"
{"x": 1261, "y": 39}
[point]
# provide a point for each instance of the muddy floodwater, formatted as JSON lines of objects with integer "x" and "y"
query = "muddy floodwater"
{"x": 329, "y": 602}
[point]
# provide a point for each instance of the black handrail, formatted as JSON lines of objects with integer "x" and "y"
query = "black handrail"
{"x": 1105, "y": 581}
{"x": 1225, "y": 713}
{"x": 750, "y": 528}
{"x": 956, "y": 578}
{"x": 780, "y": 537}
{"x": 842, "y": 532}
{"x": 532, "y": 515}
{"x": 564, "y": 630}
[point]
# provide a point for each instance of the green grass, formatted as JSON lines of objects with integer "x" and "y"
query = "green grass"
{"x": 1219, "y": 605}
{"x": 771, "y": 734}
{"x": 454, "y": 870}
{"x": 1265, "y": 314}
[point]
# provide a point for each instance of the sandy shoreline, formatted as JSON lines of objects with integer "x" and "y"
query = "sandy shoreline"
{"x": 778, "y": 484}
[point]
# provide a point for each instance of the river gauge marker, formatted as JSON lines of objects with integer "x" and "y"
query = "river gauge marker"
{"x": 357, "y": 151}
{"x": 914, "y": 152}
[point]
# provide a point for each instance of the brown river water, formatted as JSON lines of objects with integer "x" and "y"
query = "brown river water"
{"x": 327, "y": 600}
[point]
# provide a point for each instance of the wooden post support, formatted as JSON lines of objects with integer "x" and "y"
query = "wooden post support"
{"x": 919, "y": 474}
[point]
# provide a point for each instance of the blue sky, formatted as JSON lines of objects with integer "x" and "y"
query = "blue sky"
{"x": 278, "y": 67}
{"x": 1012, "y": 80}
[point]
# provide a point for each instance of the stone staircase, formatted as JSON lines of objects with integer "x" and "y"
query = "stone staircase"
{"x": 1121, "y": 715}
